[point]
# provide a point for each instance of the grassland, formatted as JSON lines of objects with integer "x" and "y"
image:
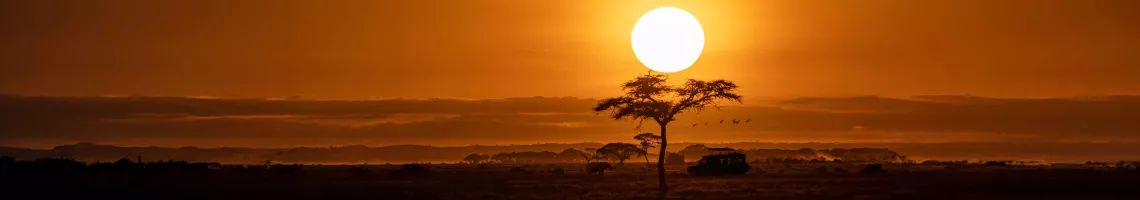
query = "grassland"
{"x": 629, "y": 181}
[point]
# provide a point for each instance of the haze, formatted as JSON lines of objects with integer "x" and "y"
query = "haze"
{"x": 212, "y": 73}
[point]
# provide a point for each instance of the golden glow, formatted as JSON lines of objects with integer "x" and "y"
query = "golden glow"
{"x": 668, "y": 39}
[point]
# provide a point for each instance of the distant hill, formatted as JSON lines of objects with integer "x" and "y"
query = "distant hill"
{"x": 339, "y": 154}
{"x": 1052, "y": 152}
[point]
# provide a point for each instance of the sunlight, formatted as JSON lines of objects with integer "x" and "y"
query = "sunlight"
{"x": 668, "y": 39}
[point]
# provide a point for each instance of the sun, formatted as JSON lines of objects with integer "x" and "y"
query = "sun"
{"x": 667, "y": 39}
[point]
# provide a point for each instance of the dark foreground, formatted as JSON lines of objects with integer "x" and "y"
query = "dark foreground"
{"x": 536, "y": 182}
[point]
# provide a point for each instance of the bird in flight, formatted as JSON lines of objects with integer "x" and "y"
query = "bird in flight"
{"x": 749, "y": 120}
{"x": 722, "y": 121}
{"x": 694, "y": 125}
{"x": 735, "y": 121}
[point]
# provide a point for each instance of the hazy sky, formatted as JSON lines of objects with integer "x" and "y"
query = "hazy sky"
{"x": 44, "y": 122}
{"x": 494, "y": 49}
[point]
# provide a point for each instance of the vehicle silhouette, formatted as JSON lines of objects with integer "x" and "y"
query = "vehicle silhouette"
{"x": 722, "y": 161}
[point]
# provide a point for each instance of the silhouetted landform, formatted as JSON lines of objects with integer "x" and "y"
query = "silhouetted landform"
{"x": 412, "y": 153}
{"x": 1043, "y": 153}
{"x": 347, "y": 154}
{"x": 716, "y": 164}
{"x": 33, "y": 121}
{"x": 63, "y": 166}
{"x": 1049, "y": 152}
{"x": 853, "y": 154}
{"x": 126, "y": 178}
{"x": 696, "y": 151}
{"x": 588, "y": 155}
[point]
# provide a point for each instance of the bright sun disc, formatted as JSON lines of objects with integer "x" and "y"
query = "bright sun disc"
{"x": 668, "y": 39}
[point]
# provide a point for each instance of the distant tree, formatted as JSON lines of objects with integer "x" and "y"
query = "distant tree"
{"x": 569, "y": 155}
{"x": 476, "y": 158}
{"x": 649, "y": 97}
{"x": 471, "y": 158}
{"x": 590, "y": 155}
{"x": 646, "y": 141}
{"x": 695, "y": 150}
{"x": 619, "y": 151}
{"x": 484, "y": 158}
{"x": 701, "y": 147}
{"x": 502, "y": 158}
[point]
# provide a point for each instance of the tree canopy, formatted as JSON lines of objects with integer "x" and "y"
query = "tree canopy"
{"x": 649, "y": 97}
{"x": 619, "y": 151}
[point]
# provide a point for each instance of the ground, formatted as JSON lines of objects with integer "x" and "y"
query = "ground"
{"x": 629, "y": 181}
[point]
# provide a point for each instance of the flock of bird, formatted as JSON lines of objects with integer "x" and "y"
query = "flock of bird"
{"x": 734, "y": 121}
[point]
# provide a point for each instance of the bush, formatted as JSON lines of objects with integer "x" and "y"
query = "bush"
{"x": 411, "y": 170}
{"x": 873, "y": 169}
{"x": 996, "y": 163}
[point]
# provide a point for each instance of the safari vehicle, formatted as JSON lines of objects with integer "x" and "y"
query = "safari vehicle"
{"x": 722, "y": 161}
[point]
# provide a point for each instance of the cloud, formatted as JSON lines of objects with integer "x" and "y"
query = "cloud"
{"x": 258, "y": 122}
{"x": 1047, "y": 117}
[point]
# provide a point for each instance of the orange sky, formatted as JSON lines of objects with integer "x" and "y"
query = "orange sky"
{"x": 43, "y": 122}
{"x": 494, "y": 49}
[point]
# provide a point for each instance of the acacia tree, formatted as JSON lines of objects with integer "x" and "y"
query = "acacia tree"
{"x": 503, "y": 157}
{"x": 649, "y": 97}
{"x": 569, "y": 155}
{"x": 619, "y": 151}
{"x": 476, "y": 158}
{"x": 589, "y": 155}
{"x": 647, "y": 140}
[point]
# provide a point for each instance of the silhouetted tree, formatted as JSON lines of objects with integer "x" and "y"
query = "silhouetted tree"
{"x": 619, "y": 151}
{"x": 590, "y": 155}
{"x": 649, "y": 97}
{"x": 569, "y": 155}
{"x": 695, "y": 150}
{"x": 476, "y": 158}
{"x": 647, "y": 140}
{"x": 502, "y": 157}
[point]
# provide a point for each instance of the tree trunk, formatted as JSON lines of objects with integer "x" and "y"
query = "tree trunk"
{"x": 661, "y": 164}
{"x": 647, "y": 165}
